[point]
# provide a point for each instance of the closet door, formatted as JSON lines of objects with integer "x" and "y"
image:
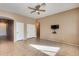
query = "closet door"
{"x": 19, "y": 31}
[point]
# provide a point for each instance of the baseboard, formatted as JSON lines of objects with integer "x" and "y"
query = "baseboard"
{"x": 63, "y": 42}
{"x": 25, "y": 39}
{"x": 31, "y": 38}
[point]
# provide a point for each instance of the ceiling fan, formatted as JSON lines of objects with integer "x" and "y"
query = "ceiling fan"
{"x": 37, "y": 9}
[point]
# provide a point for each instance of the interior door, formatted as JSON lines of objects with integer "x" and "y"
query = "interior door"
{"x": 19, "y": 31}
{"x": 31, "y": 31}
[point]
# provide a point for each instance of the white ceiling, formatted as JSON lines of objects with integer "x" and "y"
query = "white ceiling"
{"x": 51, "y": 8}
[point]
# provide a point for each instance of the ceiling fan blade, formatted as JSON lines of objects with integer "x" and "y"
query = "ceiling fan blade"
{"x": 42, "y": 10}
{"x": 32, "y": 12}
{"x": 37, "y": 7}
{"x": 43, "y": 4}
{"x": 31, "y": 8}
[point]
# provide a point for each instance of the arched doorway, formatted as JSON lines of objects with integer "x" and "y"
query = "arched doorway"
{"x": 6, "y": 29}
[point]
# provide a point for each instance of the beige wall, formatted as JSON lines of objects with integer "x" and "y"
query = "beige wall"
{"x": 68, "y": 27}
{"x": 19, "y": 18}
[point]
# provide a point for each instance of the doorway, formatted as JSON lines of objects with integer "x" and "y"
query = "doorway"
{"x": 37, "y": 23}
{"x": 6, "y": 29}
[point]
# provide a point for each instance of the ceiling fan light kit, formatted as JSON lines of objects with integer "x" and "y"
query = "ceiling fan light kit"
{"x": 37, "y": 11}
